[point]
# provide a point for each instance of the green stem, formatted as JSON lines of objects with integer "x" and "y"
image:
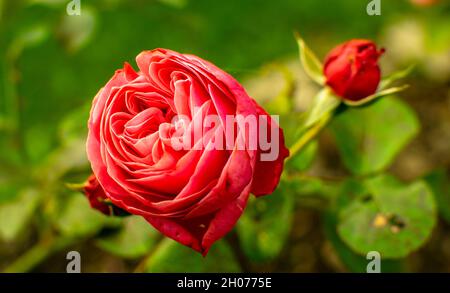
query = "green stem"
{"x": 310, "y": 134}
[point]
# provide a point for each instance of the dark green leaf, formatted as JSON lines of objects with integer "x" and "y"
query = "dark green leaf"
{"x": 369, "y": 138}
{"x": 392, "y": 218}
{"x": 352, "y": 261}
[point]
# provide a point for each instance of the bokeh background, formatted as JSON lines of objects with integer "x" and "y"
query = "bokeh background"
{"x": 52, "y": 65}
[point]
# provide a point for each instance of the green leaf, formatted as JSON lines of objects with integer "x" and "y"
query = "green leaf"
{"x": 311, "y": 64}
{"x": 349, "y": 191}
{"x": 78, "y": 219}
{"x": 377, "y": 95}
{"x": 172, "y": 257}
{"x": 264, "y": 227}
{"x": 392, "y": 218}
{"x": 393, "y": 77}
{"x": 439, "y": 184}
{"x": 369, "y": 138}
{"x": 15, "y": 215}
{"x": 133, "y": 240}
{"x": 352, "y": 261}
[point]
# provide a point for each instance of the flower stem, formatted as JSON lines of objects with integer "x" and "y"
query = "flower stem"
{"x": 309, "y": 135}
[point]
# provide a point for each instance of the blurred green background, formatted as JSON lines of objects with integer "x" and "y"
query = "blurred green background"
{"x": 52, "y": 65}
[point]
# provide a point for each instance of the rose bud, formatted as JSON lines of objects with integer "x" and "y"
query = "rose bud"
{"x": 98, "y": 199}
{"x": 352, "y": 71}
{"x": 96, "y": 195}
{"x": 193, "y": 194}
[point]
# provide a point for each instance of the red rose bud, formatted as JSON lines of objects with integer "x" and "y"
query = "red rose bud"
{"x": 352, "y": 71}
{"x": 96, "y": 195}
{"x": 99, "y": 200}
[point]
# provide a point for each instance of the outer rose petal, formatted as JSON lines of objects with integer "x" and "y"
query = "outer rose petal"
{"x": 367, "y": 84}
{"x": 267, "y": 173}
{"x": 197, "y": 235}
{"x": 225, "y": 220}
{"x": 93, "y": 146}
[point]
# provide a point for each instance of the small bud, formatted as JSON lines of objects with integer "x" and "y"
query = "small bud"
{"x": 352, "y": 69}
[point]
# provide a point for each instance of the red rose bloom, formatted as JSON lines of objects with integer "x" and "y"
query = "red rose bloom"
{"x": 194, "y": 195}
{"x": 352, "y": 71}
